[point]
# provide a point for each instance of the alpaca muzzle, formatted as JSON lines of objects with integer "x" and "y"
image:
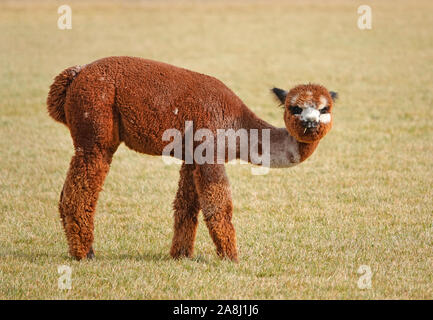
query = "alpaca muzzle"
{"x": 310, "y": 114}
{"x": 310, "y": 124}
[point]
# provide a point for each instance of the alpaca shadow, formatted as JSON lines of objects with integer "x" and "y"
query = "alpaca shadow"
{"x": 30, "y": 256}
{"x": 148, "y": 256}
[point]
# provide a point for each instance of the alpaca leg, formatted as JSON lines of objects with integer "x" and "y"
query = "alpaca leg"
{"x": 91, "y": 253}
{"x": 186, "y": 209}
{"x": 78, "y": 199}
{"x": 215, "y": 200}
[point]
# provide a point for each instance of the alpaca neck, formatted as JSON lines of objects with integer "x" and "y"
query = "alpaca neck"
{"x": 285, "y": 150}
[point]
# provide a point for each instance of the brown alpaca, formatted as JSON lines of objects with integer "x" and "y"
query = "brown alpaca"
{"x": 133, "y": 100}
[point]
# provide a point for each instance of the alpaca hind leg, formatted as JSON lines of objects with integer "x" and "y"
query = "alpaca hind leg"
{"x": 215, "y": 200}
{"x": 186, "y": 208}
{"x": 79, "y": 197}
{"x": 91, "y": 253}
{"x": 93, "y": 122}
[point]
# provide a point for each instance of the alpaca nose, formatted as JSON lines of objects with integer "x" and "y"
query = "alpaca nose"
{"x": 310, "y": 115}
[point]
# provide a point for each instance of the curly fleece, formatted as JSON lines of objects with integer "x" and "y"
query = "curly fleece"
{"x": 134, "y": 100}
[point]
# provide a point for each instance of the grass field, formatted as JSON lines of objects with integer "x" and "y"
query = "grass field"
{"x": 363, "y": 198}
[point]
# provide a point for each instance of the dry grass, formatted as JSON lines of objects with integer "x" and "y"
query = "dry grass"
{"x": 364, "y": 198}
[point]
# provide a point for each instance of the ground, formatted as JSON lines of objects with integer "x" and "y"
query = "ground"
{"x": 363, "y": 198}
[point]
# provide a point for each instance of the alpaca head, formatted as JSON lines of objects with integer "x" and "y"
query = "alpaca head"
{"x": 307, "y": 111}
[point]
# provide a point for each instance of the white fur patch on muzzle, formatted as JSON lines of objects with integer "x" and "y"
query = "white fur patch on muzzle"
{"x": 310, "y": 114}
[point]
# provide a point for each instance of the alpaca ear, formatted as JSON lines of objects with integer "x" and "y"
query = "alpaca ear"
{"x": 334, "y": 95}
{"x": 280, "y": 94}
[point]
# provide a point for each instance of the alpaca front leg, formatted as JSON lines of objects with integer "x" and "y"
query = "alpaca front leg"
{"x": 78, "y": 200}
{"x": 186, "y": 208}
{"x": 215, "y": 200}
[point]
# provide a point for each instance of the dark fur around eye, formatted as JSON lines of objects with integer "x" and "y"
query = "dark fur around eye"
{"x": 324, "y": 110}
{"x": 295, "y": 110}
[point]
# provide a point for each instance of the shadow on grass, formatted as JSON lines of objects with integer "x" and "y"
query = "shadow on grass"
{"x": 148, "y": 256}
{"x": 29, "y": 256}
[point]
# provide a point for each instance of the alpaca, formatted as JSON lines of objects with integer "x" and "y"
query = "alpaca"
{"x": 134, "y": 100}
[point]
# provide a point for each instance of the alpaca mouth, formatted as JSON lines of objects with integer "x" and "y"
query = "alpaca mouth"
{"x": 310, "y": 126}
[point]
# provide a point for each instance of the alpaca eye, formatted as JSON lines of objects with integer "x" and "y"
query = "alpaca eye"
{"x": 295, "y": 110}
{"x": 324, "y": 110}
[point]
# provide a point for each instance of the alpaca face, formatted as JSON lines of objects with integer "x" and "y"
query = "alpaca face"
{"x": 307, "y": 111}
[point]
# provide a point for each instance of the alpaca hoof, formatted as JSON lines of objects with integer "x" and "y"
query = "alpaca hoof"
{"x": 180, "y": 254}
{"x": 91, "y": 254}
{"x": 229, "y": 257}
{"x": 232, "y": 259}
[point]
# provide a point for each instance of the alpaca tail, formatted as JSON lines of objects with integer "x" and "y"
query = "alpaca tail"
{"x": 57, "y": 95}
